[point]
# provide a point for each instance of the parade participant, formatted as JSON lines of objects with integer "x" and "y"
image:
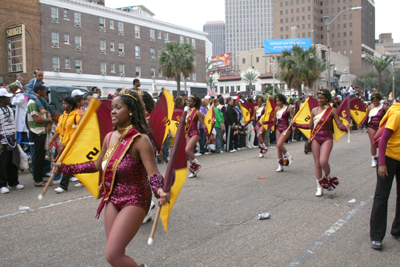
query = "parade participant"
{"x": 8, "y": 146}
{"x": 30, "y": 93}
{"x": 65, "y": 129}
{"x": 321, "y": 136}
{"x": 218, "y": 126}
{"x": 283, "y": 112}
{"x": 80, "y": 104}
{"x": 374, "y": 115}
{"x": 126, "y": 158}
{"x": 86, "y": 99}
{"x": 192, "y": 133}
{"x": 230, "y": 119}
{"x": 258, "y": 112}
{"x": 20, "y": 104}
{"x": 389, "y": 166}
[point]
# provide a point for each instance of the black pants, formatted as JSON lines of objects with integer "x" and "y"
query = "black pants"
{"x": 8, "y": 171}
{"x": 65, "y": 181}
{"x": 229, "y": 137}
{"x": 379, "y": 212}
{"x": 38, "y": 156}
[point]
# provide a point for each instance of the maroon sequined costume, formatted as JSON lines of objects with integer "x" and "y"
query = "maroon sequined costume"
{"x": 194, "y": 129}
{"x": 375, "y": 120}
{"x": 325, "y": 133}
{"x": 283, "y": 122}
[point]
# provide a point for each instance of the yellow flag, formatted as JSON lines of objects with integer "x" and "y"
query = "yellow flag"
{"x": 209, "y": 119}
{"x": 304, "y": 115}
{"x": 269, "y": 114}
{"x": 85, "y": 145}
{"x": 357, "y": 110}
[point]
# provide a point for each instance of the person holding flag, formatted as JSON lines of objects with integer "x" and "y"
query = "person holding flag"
{"x": 259, "y": 110}
{"x": 373, "y": 117}
{"x": 192, "y": 133}
{"x": 321, "y": 139}
{"x": 126, "y": 159}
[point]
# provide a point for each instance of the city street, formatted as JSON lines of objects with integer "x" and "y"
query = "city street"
{"x": 214, "y": 222}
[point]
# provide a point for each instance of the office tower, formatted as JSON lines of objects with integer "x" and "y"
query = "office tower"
{"x": 247, "y": 24}
{"x": 216, "y": 35}
{"x": 386, "y": 46}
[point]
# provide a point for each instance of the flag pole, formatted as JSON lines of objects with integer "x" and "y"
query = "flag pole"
{"x": 170, "y": 170}
{"x": 348, "y": 137}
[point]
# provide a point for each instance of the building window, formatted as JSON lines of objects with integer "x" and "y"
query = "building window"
{"x": 112, "y": 46}
{"x": 137, "y": 31}
{"x": 194, "y": 43}
{"x": 137, "y": 51}
{"x": 182, "y": 39}
{"x": 221, "y": 89}
{"x": 54, "y": 39}
{"x": 66, "y": 14}
{"x": 78, "y": 41}
{"x": 153, "y": 72}
{"x": 67, "y": 63}
{"x": 54, "y": 14}
{"x": 350, "y": 51}
{"x": 194, "y": 76}
{"x": 165, "y": 36}
{"x": 238, "y": 88}
{"x": 112, "y": 24}
{"x": 113, "y": 67}
{"x": 78, "y": 64}
{"x": 244, "y": 61}
{"x": 187, "y": 40}
{"x": 351, "y": 42}
{"x": 103, "y": 46}
{"x": 226, "y": 89}
{"x": 102, "y": 22}
{"x": 103, "y": 68}
{"x": 152, "y": 35}
{"x": 55, "y": 63}
{"x": 137, "y": 72}
{"x": 350, "y": 24}
{"x": 77, "y": 19}
{"x": 159, "y": 34}
{"x": 66, "y": 38}
{"x": 152, "y": 53}
{"x": 120, "y": 28}
{"x": 232, "y": 89}
{"x": 159, "y": 73}
{"x": 121, "y": 68}
{"x": 121, "y": 47}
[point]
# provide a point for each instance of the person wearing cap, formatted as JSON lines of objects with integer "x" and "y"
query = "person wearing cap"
{"x": 80, "y": 105}
{"x": 38, "y": 123}
{"x": 18, "y": 100}
{"x": 9, "y": 153}
{"x": 29, "y": 92}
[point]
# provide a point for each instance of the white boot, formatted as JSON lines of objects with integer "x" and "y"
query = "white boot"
{"x": 289, "y": 157}
{"x": 261, "y": 155}
{"x": 319, "y": 190}
{"x": 280, "y": 168}
{"x": 374, "y": 163}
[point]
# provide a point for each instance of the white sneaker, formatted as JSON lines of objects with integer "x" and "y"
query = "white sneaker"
{"x": 147, "y": 218}
{"x": 17, "y": 187}
{"x": 207, "y": 153}
{"x": 197, "y": 154}
{"x": 255, "y": 146}
{"x": 374, "y": 162}
{"x": 233, "y": 150}
{"x": 320, "y": 190}
{"x": 221, "y": 152}
{"x": 152, "y": 205}
{"x": 192, "y": 175}
{"x": 78, "y": 184}
{"x": 280, "y": 168}
{"x": 289, "y": 157}
{"x": 239, "y": 148}
{"x": 57, "y": 181}
{"x": 261, "y": 155}
{"x": 4, "y": 190}
{"x": 249, "y": 147}
{"x": 73, "y": 179}
{"x": 59, "y": 190}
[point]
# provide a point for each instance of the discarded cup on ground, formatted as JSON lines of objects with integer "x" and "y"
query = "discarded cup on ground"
{"x": 24, "y": 207}
{"x": 263, "y": 216}
{"x": 352, "y": 201}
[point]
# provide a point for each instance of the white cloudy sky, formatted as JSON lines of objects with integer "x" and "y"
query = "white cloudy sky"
{"x": 194, "y": 14}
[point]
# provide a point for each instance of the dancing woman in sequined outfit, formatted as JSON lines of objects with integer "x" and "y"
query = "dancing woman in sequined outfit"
{"x": 127, "y": 159}
{"x": 321, "y": 136}
{"x": 373, "y": 117}
{"x": 258, "y": 113}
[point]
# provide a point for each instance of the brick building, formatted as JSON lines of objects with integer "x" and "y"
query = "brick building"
{"x": 20, "y": 46}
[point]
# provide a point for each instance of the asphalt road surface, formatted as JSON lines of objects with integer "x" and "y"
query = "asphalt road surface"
{"x": 214, "y": 222}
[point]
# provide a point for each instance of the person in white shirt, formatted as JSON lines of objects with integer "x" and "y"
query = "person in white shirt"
{"x": 18, "y": 100}
{"x": 351, "y": 92}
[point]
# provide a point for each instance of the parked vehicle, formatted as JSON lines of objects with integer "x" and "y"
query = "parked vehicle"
{"x": 58, "y": 93}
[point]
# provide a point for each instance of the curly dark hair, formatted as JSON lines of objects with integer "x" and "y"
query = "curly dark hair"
{"x": 71, "y": 100}
{"x": 377, "y": 96}
{"x": 148, "y": 101}
{"x": 178, "y": 102}
{"x": 135, "y": 106}
{"x": 197, "y": 101}
{"x": 281, "y": 98}
{"x": 326, "y": 93}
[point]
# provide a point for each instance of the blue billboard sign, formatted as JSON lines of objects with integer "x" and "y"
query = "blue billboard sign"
{"x": 277, "y": 46}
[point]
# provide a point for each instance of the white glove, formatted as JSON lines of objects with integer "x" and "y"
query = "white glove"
{"x": 186, "y": 109}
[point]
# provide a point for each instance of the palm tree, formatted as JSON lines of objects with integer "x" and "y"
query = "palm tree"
{"x": 380, "y": 65}
{"x": 177, "y": 59}
{"x": 299, "y": 66}
{"x": 250, "y": 77}
{"x": 368, "y": 82}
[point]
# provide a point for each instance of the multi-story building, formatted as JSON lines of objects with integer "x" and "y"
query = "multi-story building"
{"x": 86, "y": 44}
{"x": 247, "y": 24}
{"x": 351, "y": 34}
{"x": 386, "y": 46}
{"x": 216, "y": 35}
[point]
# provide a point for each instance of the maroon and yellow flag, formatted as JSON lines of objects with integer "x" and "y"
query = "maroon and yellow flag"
{"x": 303, "y": 116}
{"x": 209, "y": 119}
{"x": 161, "y": 117}
{"x": 344, "y": 115}
{"x": 357, "y": 110}
{"x": 85, "y": 145}
{"x": 247, "y": 111}
{"x": 176, "y": 117}
{"x": 269, "y": 114}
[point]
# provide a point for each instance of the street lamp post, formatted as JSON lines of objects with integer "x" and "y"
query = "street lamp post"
{"x": 327, "y": 41}
{"x": 273, "y": 77}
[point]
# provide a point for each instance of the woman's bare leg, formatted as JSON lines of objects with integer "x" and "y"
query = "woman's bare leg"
{"x": 280, "y": 139}
{"x": 371, "y": 135}
{"x": 125, "y": 226}
{"x": 315, "y": 147}
{"x": 190, "y": 143}
{"x": 260, "y": 130}
{"x": 110, "y": 213}
{"x": 325, "y": 152}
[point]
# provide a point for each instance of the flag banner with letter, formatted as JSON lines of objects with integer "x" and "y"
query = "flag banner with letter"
{"x": 176, "y": 171}
{"x": 344, "y": 115}
{"x": 357, "y": 110}
{"x": 209, "y": 119}
{"x": 85, "y": 145}
{"x": 269, "y": 114}
{"x": 303, "y": 116}
{"x": 176, "y": 117}
{"x": 160, "y": 119}
{"x": 247, "y": 111}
